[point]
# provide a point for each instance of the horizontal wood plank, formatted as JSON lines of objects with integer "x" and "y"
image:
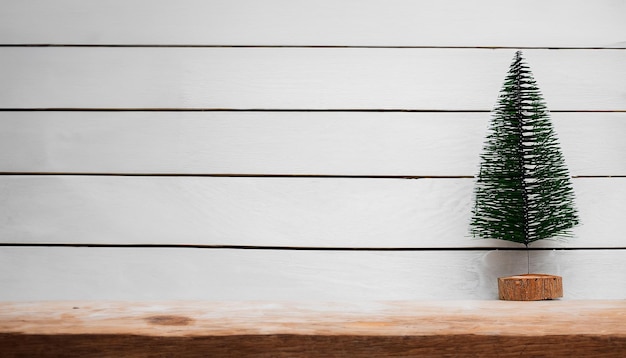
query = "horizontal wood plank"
{"x": 295, "y": 78}
{"x": 299, "y": 212}
{"x": 269, "y": 143}
{"x": 554, "y": 23}
{"x": 294, "y": 329}
{"x": 270, "y": 346}
{"x": 222, "y": 318}
{"x": 139, "y": 274}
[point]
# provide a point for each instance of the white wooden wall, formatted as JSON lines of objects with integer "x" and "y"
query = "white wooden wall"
{"x": 183, "y": 149}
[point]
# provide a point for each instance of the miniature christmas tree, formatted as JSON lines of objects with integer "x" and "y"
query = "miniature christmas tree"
{"x": 523, "y": 192}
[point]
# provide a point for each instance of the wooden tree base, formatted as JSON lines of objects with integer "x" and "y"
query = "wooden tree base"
{"x": 530, "y": 287}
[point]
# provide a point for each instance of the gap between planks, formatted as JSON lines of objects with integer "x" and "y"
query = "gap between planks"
{"x": 357, "y": 110}
{"x": 316, "y": 46}
{"x": 305, "y": 248}
{"x": 294, "y": 176}
{"x": 240, "y": 175}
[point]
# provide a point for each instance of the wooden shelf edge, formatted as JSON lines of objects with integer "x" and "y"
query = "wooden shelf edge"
{"x": 186, "y": 328}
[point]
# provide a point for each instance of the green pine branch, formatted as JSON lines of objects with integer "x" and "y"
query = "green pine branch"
{"x": 523, "y": 192}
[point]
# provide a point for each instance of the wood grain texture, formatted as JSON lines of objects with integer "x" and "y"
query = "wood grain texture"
{"x": 219, "y": 318}
{"x": 300, "y": 143}
{"x": 329, "y": 329}
{"x": 138, "y": 274}
{"x": 296, "y": 78}
{"x": 530, "y": 287}
{"x": 274, "y": 211}
{"x": 554, "y": 23}
{"x": 271, "y": 346}
{"x": 279, "y": 68}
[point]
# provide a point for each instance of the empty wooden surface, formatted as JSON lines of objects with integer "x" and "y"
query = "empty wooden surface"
{"x": 190, "y": 328}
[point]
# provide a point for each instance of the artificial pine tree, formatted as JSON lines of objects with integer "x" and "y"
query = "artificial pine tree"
{"x": 523, "y": 192}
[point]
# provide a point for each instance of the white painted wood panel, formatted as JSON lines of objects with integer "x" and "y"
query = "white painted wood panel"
{"x": 419, "y": 213}
{"x": 418, "y": 144}
{"x": 296, "y": 78}
{"x": 31, "y": 274}
{"x": 551, "y": 23}
{"x": 425, "y": 213}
